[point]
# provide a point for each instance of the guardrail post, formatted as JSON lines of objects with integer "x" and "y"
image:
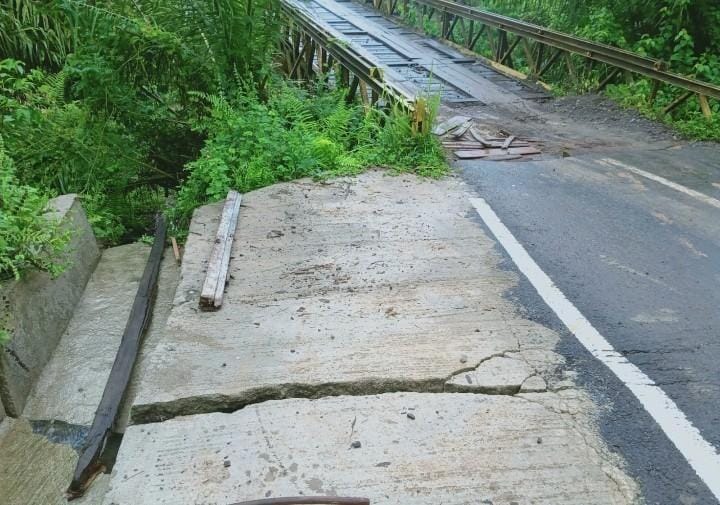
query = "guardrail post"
{"x": 420, "y": 116}
{"x": 705, "y": 106}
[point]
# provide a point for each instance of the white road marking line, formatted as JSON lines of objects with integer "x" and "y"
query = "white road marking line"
{"x": 662, "y": 180}
{"x": 698, "y": 452}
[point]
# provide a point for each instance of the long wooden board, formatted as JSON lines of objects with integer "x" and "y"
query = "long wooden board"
{"x": 89, "y": 464}
{"x": 484, "y": 153}
{"x": 211, "y": 296}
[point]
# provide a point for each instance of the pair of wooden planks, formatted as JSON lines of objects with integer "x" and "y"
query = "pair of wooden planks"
{"x": 211, "y": 296}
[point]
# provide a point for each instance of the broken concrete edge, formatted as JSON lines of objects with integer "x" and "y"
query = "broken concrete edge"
{"x": 228, "y": 403}
{"x": 37, "y": 308}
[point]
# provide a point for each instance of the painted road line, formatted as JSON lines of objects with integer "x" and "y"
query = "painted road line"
{"x": 662, "y": 180}
{"x": 699, "y": 453}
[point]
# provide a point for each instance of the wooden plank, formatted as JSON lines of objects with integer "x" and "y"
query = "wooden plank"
{"x": 479, "y": 137}
{"x": 450, "y": 124}
{"x": 307, "y": 500}
{"x": 508, "y": 141}
{"x": 213, "y": 288}
{"x": 466, "y": 144}
{"x": 176, "y": 249}
{"x": 458, "y": 132}
{"x": 89, "y": 465}
{"x": 483, "y": 153}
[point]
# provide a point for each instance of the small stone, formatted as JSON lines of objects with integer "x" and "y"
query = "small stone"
{"x": 356, "y": 444}
{"x": 226, "y": 463}
{"x": 410, "y": 415}
{"x": 539, "y": 440}
{"x": 463, "y": 358}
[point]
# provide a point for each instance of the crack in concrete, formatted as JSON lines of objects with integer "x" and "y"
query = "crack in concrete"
{"x": 60, "y": 432}
{"x": 611, "y": 462}
{"x": 206, "y": 404}
{"x": 16, "y": 359}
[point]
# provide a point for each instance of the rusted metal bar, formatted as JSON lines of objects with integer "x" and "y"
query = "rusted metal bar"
{"x": 477, "y": 36}
{"x": 677, "y": 102}
{"x": 353, "y": 89}
{"x": 550, "y": 62}
{"x": 532, "y": 64}
{"x": 654, "y": 91}
{"x": 307, "y": 500}
{"x": 508, "y": 53}
{"x": 452, "y": 27}
{"x": 609, "y": 78}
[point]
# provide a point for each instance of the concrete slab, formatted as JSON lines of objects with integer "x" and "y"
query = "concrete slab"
{"x": 37, "y": 309}
{"x": 414, "y": 448}
{"x": 355, "y": 286}
{"x": 73, "y": 381}
{"x": 500, "y": 375}
{"x": 36, "y": 471}
{"x": 534, "y": 384}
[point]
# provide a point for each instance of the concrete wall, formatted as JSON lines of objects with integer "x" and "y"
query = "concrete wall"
{"x": 37, "y": 308}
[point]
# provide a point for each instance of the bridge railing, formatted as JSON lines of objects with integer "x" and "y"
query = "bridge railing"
{"x": 311, "y": 51}
{"x": 537, "y": 39}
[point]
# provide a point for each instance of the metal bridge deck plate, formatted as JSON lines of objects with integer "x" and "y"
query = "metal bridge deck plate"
{"x": 426, "y": 66}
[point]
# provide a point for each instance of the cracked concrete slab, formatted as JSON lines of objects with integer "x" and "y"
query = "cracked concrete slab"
{"x": 534, "y": 384}
{"x": 357, "y": 286}
{"x": 500, "y": 375}
{"x": 413, "y": 448}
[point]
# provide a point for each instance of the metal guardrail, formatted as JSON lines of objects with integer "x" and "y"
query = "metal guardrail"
{"x": 620, "y": 59}
{"x": 308, "y": 47}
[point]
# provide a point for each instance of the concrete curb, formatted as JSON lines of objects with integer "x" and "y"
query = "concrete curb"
{"x": 38, "y": 308}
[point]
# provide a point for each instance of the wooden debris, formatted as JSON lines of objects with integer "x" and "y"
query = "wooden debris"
{"x": 453, "y": 122}
{"x": 176, "y": 249}
{"x": 211, "y": 296}
{"x": 503, "y": 157}
{"x": 461, "y": 130}
{"x": 303, "y": 500}
{"x": 484, "y": 153}
{"x": 508, "y": 141}
{"x": 464, "y": 144}
{"x": 479, "y": 137}
{"x": 89, "y": 464}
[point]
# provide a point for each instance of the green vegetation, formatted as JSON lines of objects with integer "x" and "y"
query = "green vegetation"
{"x": 27, "y": 237}
{"x": 142, "y": 106}
{"x": 683, "y": 34}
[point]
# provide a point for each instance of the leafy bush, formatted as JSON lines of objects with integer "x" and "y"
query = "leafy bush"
{"x": 294, "y": 134}
{"x": 27, "y": 238}
{"x": 64, "y": 147}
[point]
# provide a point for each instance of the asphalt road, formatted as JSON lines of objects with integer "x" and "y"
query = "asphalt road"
{"x": 641, "y": 261}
